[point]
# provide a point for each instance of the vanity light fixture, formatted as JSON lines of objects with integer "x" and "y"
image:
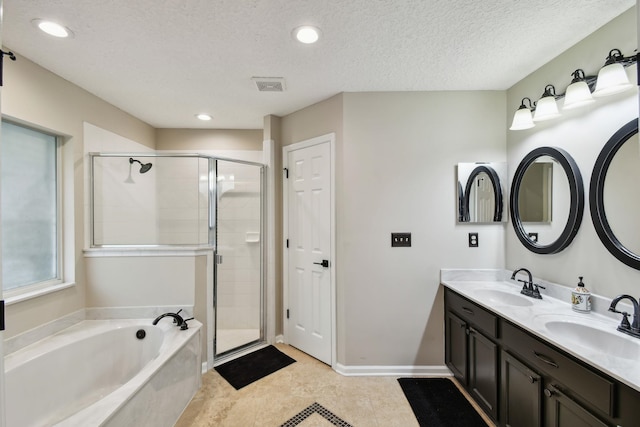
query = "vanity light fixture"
{"x": 611, "y": 79}
{"x": 578, "y": 92}
{"x": 52, "y": 28}
{"x": 523, "y": 119}
{"x": 306, "y": 34}
{"x": 546, "y": 107}
{"x": 204, "y": 117}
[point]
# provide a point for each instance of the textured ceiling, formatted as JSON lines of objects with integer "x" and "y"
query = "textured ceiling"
{"x": 163, "y": 61}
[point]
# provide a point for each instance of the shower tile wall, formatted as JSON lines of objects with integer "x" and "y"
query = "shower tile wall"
{"x": 124, "y": 208}
{"x": 182, "y": 200}
{"x": 238, "y": 242}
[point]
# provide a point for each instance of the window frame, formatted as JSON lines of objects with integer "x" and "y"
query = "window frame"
{"x": 31, "y": 290}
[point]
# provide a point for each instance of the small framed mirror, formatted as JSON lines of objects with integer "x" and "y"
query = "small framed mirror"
{"x": 613, "y": 195}
{"x": 481, "y": 192}
{"x": 547, "y": 200}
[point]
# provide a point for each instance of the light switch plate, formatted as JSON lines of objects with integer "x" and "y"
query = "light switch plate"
{"x": 400, "y": 240}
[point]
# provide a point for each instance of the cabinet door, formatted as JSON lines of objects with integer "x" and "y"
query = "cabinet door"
{"x": 521, "y": 394}
{"x": 483, "y": 372}
{"x": 562, "y": 411}
{"x": 456, "y": 346}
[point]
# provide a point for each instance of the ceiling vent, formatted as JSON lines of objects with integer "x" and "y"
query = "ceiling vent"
{"x": 269, "y": 84}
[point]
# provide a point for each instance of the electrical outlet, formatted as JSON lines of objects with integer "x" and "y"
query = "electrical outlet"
{"x": 473, "y": 240}
{"x": 401, "y": 240}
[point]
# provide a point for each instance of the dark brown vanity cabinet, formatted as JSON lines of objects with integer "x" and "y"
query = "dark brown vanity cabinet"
{"x": 470, "y": 351}
{"x": 521, "y": 380}
{"x": 532, "y": 397}
{"x": 521, "y": 404}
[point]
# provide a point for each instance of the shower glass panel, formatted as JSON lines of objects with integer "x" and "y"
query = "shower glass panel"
{"x": 150, "y": 200}
{"x": 239, "y": 272}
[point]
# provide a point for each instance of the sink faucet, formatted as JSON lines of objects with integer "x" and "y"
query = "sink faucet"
{"x": 633, "y": 328}
{"x": 177, "y": 319}
{"x": 529, "y": 288}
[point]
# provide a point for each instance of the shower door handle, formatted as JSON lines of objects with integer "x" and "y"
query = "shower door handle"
{"x": 324, "y": 263}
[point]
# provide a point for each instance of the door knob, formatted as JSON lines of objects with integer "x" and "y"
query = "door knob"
{"x": 324, "y": 263}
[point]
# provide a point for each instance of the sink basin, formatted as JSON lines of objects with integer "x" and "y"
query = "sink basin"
{"x": 498, "y": 297}
{"x": 594, "y": 335}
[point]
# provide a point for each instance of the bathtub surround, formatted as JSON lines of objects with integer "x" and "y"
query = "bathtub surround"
{"x": 160, "y": 370}
{"x": 41, "y": 332}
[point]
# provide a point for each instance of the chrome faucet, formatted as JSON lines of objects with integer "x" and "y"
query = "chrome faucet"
{"x": 633, "y": 328}
{"x": 177, "y": 319}
{"x": 529, "y": 288}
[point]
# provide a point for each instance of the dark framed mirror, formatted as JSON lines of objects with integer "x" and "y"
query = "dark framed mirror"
{"x": 613, "y": 195}
{"x": 480, "y": 192}
{"x": 547, "y": 200}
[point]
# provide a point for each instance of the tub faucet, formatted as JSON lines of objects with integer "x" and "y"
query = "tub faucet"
{"x": 177, "y": 319}
{"x": 633, "y": 328}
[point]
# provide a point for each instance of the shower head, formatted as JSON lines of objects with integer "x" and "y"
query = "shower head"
{"x": 144, "y": 167}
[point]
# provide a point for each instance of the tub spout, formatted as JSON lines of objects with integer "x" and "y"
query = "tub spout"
{"x": 177, "y": 319}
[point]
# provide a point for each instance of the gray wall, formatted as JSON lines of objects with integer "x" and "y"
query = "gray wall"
{"x": 582, "y": 133}
{"x": 399, "y": 158}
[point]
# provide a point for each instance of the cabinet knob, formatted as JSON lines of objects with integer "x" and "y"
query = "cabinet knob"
{"x": 531, "y": 379}
{"x": 548, "y": 392}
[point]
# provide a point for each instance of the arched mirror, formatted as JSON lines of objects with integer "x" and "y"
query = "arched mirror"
{"x": 480, "y": 192}
{"x": 613, "y": 195}
{"x": 547, "y": 200}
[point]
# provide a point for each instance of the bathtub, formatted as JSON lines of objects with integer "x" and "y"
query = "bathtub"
{"x": 104, "y": 373}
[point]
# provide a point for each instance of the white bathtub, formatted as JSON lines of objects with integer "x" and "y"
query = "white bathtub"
{"x": 98, "y": 373}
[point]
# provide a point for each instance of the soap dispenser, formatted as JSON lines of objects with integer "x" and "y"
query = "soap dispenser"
{"x": 581, "y": 298}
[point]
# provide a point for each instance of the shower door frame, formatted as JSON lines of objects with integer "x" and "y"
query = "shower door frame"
{"x": 227, "y": 354}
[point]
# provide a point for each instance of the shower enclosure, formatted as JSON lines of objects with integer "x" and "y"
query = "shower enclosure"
{"x": 185, "y": 201}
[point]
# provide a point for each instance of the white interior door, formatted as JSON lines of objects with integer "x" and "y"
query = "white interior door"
{"x": 308, "y": 258}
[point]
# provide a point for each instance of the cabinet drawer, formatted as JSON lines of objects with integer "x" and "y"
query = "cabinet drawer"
{"x": 473, "y": 313}
{"x": 583, "y": 382}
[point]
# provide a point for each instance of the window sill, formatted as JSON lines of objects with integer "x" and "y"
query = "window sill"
{"x": 23, "y": 296}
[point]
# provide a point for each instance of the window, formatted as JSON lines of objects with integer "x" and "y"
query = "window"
{"x": 29, "y": 208}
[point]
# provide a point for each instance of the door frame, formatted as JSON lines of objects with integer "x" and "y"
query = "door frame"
{"x": 331, "y": 139}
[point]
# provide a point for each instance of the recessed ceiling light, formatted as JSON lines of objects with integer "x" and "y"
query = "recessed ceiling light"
{"x": 52, "y": 28}
{"x": 204, "y": 117}
{"x": 306, "y": 34}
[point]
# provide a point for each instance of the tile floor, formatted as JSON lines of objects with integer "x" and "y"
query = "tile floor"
{"x": 307, "y": 386}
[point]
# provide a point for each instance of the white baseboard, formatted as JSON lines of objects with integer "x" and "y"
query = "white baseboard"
{"x": 394, "y": 371}
{"x": 280, "y": 339}
{"x": 205, "y": 367}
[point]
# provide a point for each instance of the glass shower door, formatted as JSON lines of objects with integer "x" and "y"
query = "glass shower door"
{"x": 238, "y": 287}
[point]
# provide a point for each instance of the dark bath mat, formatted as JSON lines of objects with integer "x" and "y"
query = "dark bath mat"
{"x": 253, "y": 366}
{"x": 437, "y": 402}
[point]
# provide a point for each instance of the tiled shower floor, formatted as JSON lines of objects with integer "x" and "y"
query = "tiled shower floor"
{"x": 227, "y": 339}
{"x": 307, "y": 388}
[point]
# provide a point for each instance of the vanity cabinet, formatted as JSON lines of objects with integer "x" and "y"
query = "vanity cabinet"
{"x": 521, "y": 380}
{"x": 521, "y": 403}
{"x": 470, "y": 350}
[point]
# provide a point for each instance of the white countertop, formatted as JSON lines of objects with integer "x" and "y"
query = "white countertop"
{"x": 553, "y": 305}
